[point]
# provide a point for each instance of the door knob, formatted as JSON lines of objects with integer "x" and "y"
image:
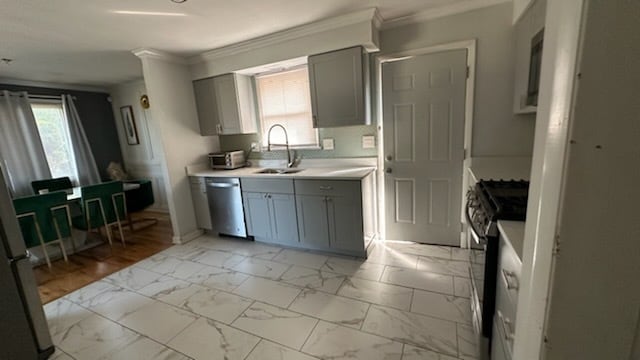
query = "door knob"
{"x": 388, "y": 170}
{"x": 389, "y": 157}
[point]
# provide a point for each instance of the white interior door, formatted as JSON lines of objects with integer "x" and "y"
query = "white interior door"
{"x": 423, "y": 125}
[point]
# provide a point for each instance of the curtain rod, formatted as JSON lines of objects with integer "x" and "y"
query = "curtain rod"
{"x": 36, "y": 97}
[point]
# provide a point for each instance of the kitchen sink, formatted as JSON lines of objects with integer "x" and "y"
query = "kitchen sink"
{"x": 279, "y": 171}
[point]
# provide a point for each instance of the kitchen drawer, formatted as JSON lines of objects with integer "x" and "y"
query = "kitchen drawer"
{"x": 504, "y": 302}
{"x": 328, "y": 187}
{"x": 508, "y": 281}
{"x": 275, "y": 186}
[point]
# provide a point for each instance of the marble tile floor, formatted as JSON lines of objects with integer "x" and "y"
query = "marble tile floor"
{"x": 215, "y": 298}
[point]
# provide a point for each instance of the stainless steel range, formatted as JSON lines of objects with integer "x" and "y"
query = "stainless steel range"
{"x": 488, "y": 202}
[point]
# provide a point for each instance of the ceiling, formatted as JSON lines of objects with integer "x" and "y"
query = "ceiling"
{"x": 80, "y": 42}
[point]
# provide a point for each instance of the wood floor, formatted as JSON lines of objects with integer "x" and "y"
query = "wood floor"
{"x": 94, "y": 264}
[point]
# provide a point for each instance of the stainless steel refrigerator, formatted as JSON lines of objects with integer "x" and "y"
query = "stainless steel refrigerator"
{"x": 24, "y": 333}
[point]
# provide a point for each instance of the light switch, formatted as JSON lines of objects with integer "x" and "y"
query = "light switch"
{"x": 327, "y": 144}
{"x": 368, "y": 141}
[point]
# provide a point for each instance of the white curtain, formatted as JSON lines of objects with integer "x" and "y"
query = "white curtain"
{"x": 21, "y": 150}
{"x": 86, "y": 164}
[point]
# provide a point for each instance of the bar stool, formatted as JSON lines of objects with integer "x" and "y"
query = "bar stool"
{"x": 45, "y": 220}
{"x": 103, "y": 205}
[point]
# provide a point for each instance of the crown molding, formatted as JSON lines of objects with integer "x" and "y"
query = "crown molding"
{"x": 49, "y": 85}
{"x": 377, "y": 20}
{"x": 289, "y": 34}
{"x": 439, "y": 12}
{"x": 149, "y": 53}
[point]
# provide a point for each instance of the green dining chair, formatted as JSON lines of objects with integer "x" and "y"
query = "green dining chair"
{"x": 45, "y": 220}
{"x": 51, "y": 185}
{"x": 103, "y": 205}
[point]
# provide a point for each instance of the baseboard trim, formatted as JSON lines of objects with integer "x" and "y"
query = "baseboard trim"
{"x": 187, "y": 237}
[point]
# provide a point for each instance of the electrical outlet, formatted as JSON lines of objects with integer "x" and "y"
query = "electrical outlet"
{"x": 255, "y": 147}
{"x": 368, "y": 141}
{"x": 327, "y": 144}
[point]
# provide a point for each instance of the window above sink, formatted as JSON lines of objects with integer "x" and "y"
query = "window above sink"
{"x": 284, "y": 98}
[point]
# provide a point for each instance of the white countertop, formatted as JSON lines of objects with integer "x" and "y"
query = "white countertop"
{"x": 331, "y": 173}
{"x": 497, "y": 168}
{"x": 513, "y": 231}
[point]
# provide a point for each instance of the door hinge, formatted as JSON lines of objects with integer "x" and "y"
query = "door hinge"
{"x": 556, "y": 245}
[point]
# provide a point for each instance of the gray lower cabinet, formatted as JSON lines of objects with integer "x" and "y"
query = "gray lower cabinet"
{"x": 345, "y": 222}
{"x": 256, "y": 212}
{"x": 270, "y": 210}
{"x": 313, "y": 222}
{"x": 200, "y": 202}
{"x": 284, "y": 224}
{"x": 330, "y": 215}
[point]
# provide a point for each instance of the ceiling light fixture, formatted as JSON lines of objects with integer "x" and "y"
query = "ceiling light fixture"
{"x": 6, "y": 61}
{"x": 178, "y": 1}
{"x": 152, "y": 13}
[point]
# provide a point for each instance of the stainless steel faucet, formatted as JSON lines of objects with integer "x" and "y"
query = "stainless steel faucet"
{"x": 290, "y": 162}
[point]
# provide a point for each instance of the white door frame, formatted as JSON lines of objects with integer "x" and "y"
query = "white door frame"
{"x": 470, "y": 46}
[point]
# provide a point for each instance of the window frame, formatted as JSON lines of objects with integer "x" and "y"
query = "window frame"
{"x": 263, "y": 131}
{"x": 74, "y": 177}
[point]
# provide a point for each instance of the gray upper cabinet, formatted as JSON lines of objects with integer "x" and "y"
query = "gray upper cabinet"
{"x": 337, "y": 82}
{"x": 225, "y": 105}
{"x": 206, "y": 106}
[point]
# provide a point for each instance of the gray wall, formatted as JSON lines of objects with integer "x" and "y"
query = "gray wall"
{"x": 496, "y": 130}
{"x": 347, "y": 142}
{"x": 97, "y": 118}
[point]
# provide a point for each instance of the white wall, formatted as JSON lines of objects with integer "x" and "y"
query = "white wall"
{"x": 361, "y": 33}
{"x": 143, "y": 161}
{"x": 562, "y": 31}
{"x": 496, "y": 131}
{"x": 595, "y": 298}
{"x": 519, "y": 8}
{"x": 173, "y": 109}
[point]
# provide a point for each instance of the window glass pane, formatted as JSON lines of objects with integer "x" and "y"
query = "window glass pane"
{"x": 284, "y": 99}
{"x": 54, "y": 133}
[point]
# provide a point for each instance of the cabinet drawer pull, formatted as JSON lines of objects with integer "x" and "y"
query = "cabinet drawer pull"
{"x": 506, "y": 327}
{"x": 511, "y": 279}
{"x": 326, "y": 187}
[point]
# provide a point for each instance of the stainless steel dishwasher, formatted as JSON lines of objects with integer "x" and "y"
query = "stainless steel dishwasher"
{"x": 225, "y": 205}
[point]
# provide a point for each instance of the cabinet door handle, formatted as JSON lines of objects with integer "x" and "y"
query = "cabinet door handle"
{"x": 326, "y": 187}
{"x": 315, "y": 120}
{"x": 511, "y": 279}
{"x": 506, "y": 327}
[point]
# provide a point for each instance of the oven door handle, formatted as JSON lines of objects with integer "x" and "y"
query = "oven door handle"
{"x": 474, "y": 232}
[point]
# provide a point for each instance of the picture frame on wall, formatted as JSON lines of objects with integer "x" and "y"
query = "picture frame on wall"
{"x": 129, "y": 123}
